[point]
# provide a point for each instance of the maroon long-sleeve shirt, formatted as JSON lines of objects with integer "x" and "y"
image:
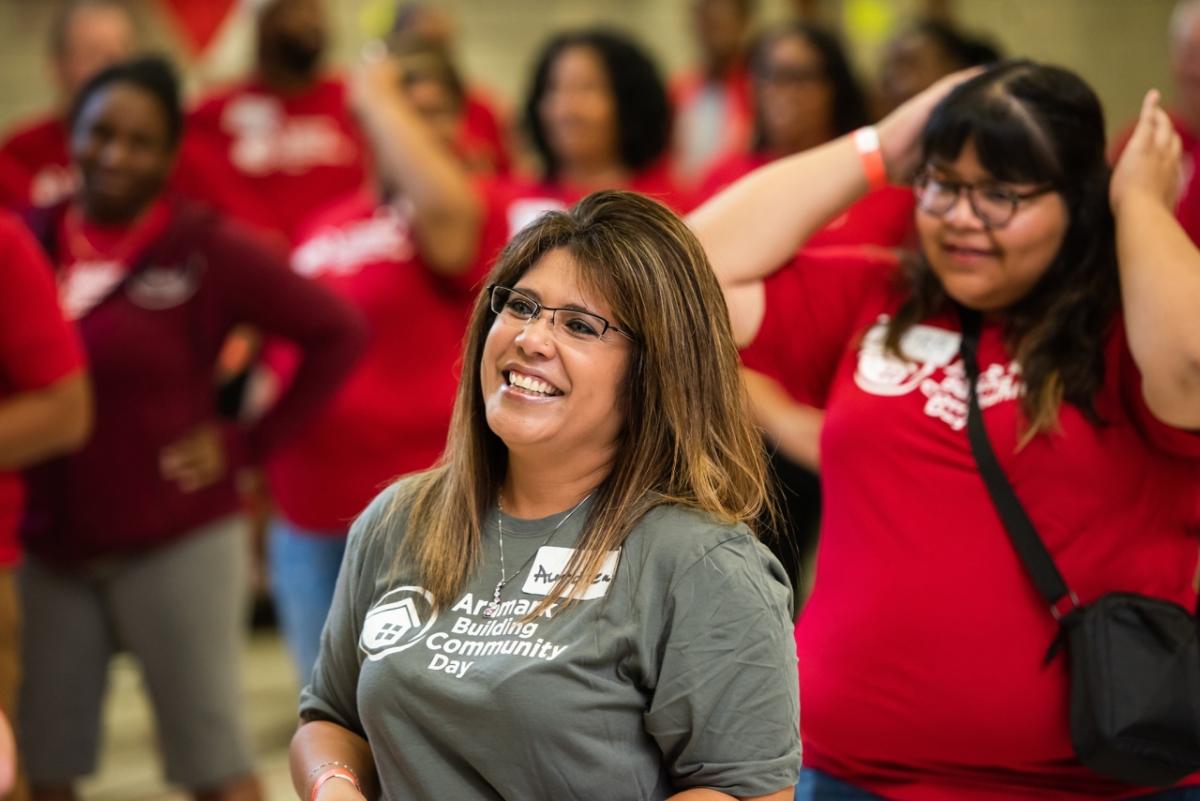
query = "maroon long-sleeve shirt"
{"x": 152, "y": 345}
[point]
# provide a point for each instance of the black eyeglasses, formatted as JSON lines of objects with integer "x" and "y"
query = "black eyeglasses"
{"x": 582, "y": 326}
{"x": 994, "y": 204}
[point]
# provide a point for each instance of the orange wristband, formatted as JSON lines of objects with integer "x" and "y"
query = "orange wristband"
{"x": 870, "y": 155}
{"x": 333, "y": 773}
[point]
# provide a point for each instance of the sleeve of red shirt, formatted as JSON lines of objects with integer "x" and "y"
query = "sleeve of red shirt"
{"x": 1168, "y": 439}
{"x": 37, "y": 346}
{"x": 14, "y": 183}
{"x": 257, "y": 287}
{"x": 812, "y": 306}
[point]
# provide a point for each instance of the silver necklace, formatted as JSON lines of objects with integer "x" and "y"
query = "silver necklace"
{"x": 493, "y": 608}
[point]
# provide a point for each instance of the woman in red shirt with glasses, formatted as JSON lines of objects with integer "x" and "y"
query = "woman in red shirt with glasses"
{"x": 923, "y": 650}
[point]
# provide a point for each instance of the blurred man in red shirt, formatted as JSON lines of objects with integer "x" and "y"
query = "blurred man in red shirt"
{"x": 273, "y": 148}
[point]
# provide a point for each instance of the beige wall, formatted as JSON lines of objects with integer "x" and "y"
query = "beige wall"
{"x": 1117, "y": 45}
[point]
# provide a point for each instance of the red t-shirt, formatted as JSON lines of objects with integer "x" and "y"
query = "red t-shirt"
{"x": 269, "y": 160}
{"x": 37, "y": 348}
{"x": 921, "y": 650}
{"x": 524, "y": 201}
{"x": 882, "y": 217}
{"x": 774, "y": 355}
{"x": 1187, "y": 209}
{"x": 392, "y": 415}
{"x": 37, "y": 166}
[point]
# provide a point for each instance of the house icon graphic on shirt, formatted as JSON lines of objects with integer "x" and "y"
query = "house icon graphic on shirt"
{"x": 399, "y": 620}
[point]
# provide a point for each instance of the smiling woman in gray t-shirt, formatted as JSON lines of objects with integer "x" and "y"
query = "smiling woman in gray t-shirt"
{"x": 571, "y": 604}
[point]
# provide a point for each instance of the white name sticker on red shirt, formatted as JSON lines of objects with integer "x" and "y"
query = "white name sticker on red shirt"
{"x": 551, "y": 562}
{"x": 882, "y": 373}
{"x": 84, "y": 284}
{"x": 934, "y": 368}
{"x": 526, "y": 211}
{"x": 51, "y": 184}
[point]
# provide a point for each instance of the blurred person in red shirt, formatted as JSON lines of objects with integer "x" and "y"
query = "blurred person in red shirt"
{"x": 45, "y": 410}
{"x": 598, "y": 117}
{"x": 1087, "y": 385}
{"x": 408, "y": 252}
{"x": 713, "y": 110}
{"x": 916, "y": 57}
{"x": 483, "y": 134}
{"x": 275, "y": 147}
{"x": 272, "y": 149}
{"x": 85, "y": 37}
{"x": 805, "y": 94}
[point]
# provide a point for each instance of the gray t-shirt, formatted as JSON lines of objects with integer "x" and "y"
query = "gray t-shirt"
{"x": 678, "y": 672}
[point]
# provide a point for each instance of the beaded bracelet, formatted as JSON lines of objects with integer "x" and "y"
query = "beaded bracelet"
{"x": 332, "y": 770}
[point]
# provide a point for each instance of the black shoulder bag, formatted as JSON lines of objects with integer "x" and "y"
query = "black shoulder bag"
{"x": 1134, "y": 660}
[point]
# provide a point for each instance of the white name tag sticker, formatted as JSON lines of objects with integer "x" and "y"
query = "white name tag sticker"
{"x": 551, "y": 562}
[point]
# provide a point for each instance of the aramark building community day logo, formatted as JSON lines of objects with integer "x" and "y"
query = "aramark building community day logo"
{"x": 399, "y": 621}
{"x": 405, "y": 617}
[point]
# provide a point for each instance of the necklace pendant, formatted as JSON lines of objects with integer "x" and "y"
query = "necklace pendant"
{"x": 493, "y": 608}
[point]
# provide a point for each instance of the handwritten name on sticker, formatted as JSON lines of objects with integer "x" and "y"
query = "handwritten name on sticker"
{"x": 550, "y": 565}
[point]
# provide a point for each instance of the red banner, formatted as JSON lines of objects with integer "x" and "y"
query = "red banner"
{"x": 198, "y": 21}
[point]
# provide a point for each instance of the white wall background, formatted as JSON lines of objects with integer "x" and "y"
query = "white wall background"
{"x": 1117, "y": 45}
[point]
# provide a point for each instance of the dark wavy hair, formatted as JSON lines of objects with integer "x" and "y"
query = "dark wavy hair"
{"x": 849, "y": 99}
{"x": 964, "y": 50}
{"x": 152, "y": 74}
{"x": 1033, "y": 123}
{"x": 643, "y": 111}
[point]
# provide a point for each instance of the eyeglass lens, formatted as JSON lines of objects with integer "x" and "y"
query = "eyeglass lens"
{"x": 578, "y": 325}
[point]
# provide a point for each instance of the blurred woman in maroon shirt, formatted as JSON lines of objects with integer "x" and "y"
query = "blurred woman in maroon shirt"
{"x": 135, "y": 541}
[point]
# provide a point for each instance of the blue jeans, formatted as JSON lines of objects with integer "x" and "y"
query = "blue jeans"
{"x": 303, "y": 567}
{"x": 817, "y": 785}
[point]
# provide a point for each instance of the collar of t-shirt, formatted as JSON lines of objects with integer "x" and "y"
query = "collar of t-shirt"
{"x": 93, "y": 259}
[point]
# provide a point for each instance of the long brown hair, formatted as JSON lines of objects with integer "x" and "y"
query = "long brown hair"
{"x": 1039, "y": 124}
{"x": 687, "y": 438}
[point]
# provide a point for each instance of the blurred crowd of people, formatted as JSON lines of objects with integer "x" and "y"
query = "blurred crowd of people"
{"x": 247, "y": 312}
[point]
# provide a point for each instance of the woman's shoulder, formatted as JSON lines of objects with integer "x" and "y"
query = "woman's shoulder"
{"x": 387, "y": 513}
{"x": 673, "y": 539}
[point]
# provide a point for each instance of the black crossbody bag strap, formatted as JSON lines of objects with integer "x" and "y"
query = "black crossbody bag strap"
{"x": 1029, "y": 546}
{"x": 1134, "y": 699}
